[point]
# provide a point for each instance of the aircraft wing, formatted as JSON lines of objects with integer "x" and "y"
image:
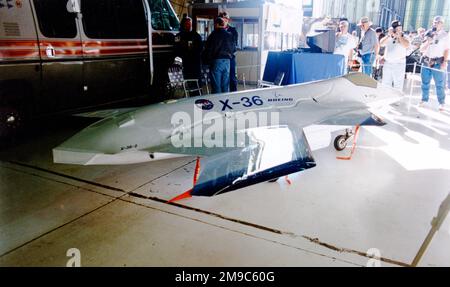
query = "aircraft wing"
{"x": 361, "y": 117}
{"x": 272, "y": 153}
{"x": 103, "y": 114}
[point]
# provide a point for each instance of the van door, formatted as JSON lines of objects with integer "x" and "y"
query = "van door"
{"x": 115, "y": 49}
{"x": 61, "y": 55}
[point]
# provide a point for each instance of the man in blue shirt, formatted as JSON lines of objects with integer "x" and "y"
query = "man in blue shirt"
{"x": 368, "y": 46}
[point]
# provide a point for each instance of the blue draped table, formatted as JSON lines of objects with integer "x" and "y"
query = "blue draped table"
{"x": 303, "y": 67}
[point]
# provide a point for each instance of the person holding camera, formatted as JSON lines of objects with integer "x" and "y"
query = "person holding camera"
{"x": 435, "y": 51}
{"x": 394, "y": 59}
{"x": 368, "y": 47}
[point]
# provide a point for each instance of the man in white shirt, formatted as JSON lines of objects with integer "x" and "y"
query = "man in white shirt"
{"x": 394, "y": 59}
{"x": 435, "y": 57}
{"x": 345, "y": 43}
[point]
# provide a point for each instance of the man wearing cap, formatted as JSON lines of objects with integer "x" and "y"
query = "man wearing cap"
{"x": 219, "y": 49}
{"x": 189, "y": 46}
{"x": 435, "y": 51}
{"x": 419, "y": 38}
{"x": 396, "y": 48}
{"x": 368, "y": 46}
{"x": 233, "y": 68}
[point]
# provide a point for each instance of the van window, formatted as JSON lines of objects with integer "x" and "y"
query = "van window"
{"x": 114, "y": 19}
{"x": 163, "y": 16}
{"x": 54, "y": 19}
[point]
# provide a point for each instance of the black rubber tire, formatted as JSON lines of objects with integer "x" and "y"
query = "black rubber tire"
{"x": 340, "y": 143}
{"x": 11, "y": 121}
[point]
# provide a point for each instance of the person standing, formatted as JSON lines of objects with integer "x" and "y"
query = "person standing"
{"x": 368, "y": 46}
{"x": 218, "y": 51}
{"x": 189, "y": 46}
{"x": 380, "y": 33}
{"x": 435, "y": 51}
{"x": 448, "y": 67}
{"x": 394, "y": 59}
{"x": 345, "y": 43}
{"x": 233, "y": 67}
{"x": 419, "y": 38}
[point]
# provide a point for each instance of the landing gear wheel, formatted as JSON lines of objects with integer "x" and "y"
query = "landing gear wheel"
{"x": 340, "y": 142}
{"x": 274, "y": 180}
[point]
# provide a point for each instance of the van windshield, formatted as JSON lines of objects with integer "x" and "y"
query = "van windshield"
{"x": 163, "y": 16}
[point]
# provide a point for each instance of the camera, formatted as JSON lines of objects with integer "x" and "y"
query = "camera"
{"x": 431, "y": 33}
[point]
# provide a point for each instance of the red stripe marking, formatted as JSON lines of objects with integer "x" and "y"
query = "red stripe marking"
{"x": 31, "y": 44}
{"x": 70, "y": 47}
{"x": 96, "y": 44}
{"x": 114, "y": 51}
{"x": 62, "y": 44}
{"x": 184, "y": 195}
{"x": 18, "y": 53}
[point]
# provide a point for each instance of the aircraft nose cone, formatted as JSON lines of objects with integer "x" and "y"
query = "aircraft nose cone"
{"x": 98, "y": 137}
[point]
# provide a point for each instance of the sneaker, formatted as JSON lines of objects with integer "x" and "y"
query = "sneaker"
{"x": 442, "y": 107}
{"x": 422, "y": 104}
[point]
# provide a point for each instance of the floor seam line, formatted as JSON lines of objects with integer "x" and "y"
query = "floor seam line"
{"x": 239, "y": 232}
{"x": 59, "y": 181}
{"x": 276, "y": 231}
{"x": 61, "y": 226}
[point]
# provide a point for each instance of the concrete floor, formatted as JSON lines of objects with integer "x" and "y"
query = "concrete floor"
{"x": 332, "y": 215}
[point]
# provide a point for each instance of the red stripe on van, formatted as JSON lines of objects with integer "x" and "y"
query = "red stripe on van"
{"x": 5, "y": 43}
{"x": 28, "y": 53}
{"x": 109, "y": 52}
{"x": 70, "y": 48}
{"x": 96, "y": 44}
{"x": 13, "y": 48}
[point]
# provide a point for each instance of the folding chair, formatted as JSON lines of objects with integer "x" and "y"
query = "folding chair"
{"x": 176, "y": 80}
{"x": 277, "y": 82}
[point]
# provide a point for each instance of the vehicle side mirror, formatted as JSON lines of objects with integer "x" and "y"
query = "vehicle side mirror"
{"x": 73, "y": 6}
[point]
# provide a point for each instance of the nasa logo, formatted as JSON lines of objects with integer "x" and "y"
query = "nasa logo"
{"x": 203, "y": 104}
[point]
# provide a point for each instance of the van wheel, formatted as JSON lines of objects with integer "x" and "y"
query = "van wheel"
{"x": 11, "y": 121}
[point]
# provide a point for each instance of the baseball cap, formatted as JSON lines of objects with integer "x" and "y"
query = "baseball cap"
{"x": 224, "y": 15}
{"x": 395, "y": 24}
{"x": 364, "y": 20}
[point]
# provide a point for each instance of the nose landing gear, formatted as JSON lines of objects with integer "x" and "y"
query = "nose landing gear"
{"x": 340, "y": 142}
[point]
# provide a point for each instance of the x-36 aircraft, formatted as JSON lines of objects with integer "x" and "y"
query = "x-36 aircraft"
{"x": 242, "y": 138}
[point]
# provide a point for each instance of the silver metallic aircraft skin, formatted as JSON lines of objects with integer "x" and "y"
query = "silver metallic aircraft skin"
{"x": 145, "y": 134}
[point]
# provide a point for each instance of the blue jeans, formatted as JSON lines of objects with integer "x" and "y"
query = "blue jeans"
{"x": 439, "y": 81}
{"x": 220, "y": 76}
{"x": 448, "y": 75}
{"x": 233, "y": 75}
{"x": 368, "y": 60}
